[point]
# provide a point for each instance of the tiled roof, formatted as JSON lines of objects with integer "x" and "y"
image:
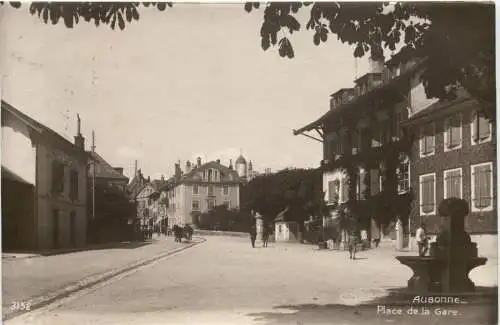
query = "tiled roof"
{"x": 104, "y": 169}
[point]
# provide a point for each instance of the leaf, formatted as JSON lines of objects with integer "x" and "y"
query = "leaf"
{"x": 256, "y": 5}
{"x": 316, "y": 38}
{"x": 113, "y": 22}
{"x": 248, "y": 7}
{"x": 359, "y": 51}
{"x": 135, "y": 14}
{"x": 128, "y": 13}
{"x": 265, "y": 42}
{"x": 121, "y": 22}
{"x": 162, "y": 6}
{"x": 68, "y": 19}
{"x": 274, "y": 38}
{"x": 15, "y": 4}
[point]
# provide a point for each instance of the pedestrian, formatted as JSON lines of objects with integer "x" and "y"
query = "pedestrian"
{"x": 352, "y": 242}
{"x": 265, "y": 236}
{"x": 421, "y": 238}
{"x": 253, "y": 235}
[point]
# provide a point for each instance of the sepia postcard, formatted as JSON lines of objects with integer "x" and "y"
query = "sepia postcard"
{"x": 259, "y": 163}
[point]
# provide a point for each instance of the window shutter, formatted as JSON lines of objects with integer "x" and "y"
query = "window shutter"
{"x": 455, "y": 132}
{"x": 374, "y": 182}
{"x": 425, "y": 196}
{"x": 362, "y": 185}
{"x": 484, "y": 127}
{"x": 345, "y": 189}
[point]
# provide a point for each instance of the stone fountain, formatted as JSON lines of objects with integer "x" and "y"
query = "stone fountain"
{"x": 452, "y": 256}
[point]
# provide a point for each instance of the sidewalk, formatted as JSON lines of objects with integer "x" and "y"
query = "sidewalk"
{"x": 29, "y": 280}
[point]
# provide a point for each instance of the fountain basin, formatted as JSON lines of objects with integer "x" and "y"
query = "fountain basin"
{"x": 434, "y": 274}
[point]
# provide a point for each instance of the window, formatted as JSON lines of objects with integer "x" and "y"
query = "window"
{"x": 210, "y": 190}
{"x": 195, "y": 205}
{"x": 374, "y": 181}
{"x": 196, "y": 189}
{"x": 57, "y": 177}
{"x": 333, "y": 191}
{"x": 361, "y": 184}
{"x": 364, "y": 139}
{"x": 340, "y": 144}
{"x": 399, "y": 117}
{"x": 427, "y": 140}
{"x": 344, "y": 142}
{"x": 480, "y": 128}
{"x": 209, "y": 175}
{"x": 453, "y": 183}
{"x": 211, "y": 204}
{"x": 354, "y": 141}
{"x": 345, "y": 189}
{"x": 225, "y": 190}
{"x": 403, "y": 176}
{"x": 227, "y": 204}
{"x": 482, "y": 187}
{"x": 73, "y": 189}
{"x": 427, "y": 194}
{"x": 453, "y": 132}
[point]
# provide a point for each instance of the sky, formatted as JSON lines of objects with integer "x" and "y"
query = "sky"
{"x": 190, "y": 81}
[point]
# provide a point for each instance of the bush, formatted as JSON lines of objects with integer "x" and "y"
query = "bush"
{"x": 223, "y": 219}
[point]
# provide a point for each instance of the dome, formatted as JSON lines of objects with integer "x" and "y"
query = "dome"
{"x": 240, "y": 160}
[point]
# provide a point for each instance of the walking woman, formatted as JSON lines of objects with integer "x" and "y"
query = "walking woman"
{"x": 265, "y": 235}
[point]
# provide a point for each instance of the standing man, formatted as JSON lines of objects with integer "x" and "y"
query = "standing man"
{"x": 352, "y": 242}
{"x": 253, "y": 235}
{"x": 421, "y": 240}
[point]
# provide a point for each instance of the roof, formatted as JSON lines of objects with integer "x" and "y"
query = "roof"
{"x": 342, "y": 90}
{"x": 366, "y": 75}
{"x": 241, "y": 160}
{"x": 41, "y": 129}
{"x": 104, "y": 169}
{"x": 227, "y": 175}
{"x": 444, "y": 107}
{"x": 359, "y": 100}
{"x": 7, "y": 174}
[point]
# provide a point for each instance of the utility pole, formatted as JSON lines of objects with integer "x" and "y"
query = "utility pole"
{"x": 93, "y": 175}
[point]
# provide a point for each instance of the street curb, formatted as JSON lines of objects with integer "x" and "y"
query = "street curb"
{"x": 25, "y": 255}
{"x": 43, "y": 300}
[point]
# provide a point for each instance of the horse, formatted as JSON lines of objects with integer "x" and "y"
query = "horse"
{"x": 178, "y": 232}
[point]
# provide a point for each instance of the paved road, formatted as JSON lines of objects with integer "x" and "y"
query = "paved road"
{"x": 24, "y": 279}
{"x": 225, "y": 281}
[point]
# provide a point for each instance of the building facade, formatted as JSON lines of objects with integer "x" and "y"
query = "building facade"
{"x": 200, "y": 188}
{"x": 44, "y": 185}
{"x": 454, "y": 155}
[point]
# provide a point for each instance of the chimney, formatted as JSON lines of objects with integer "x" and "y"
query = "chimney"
{"x": 178, "y": 171}
{"x": 230, "y": 164}
{"x": 376, "y": 66}
{"x": 149, "y": 179}
{"x": 119, "y": 170}
{"x": 135, "y": 167}
{"x": 162, "y": 178}
{"x": 188, "y": 166}
{"x": 198, "y": 162}
{"x": 79, "y": 139}
{"x": 218, "y": 161}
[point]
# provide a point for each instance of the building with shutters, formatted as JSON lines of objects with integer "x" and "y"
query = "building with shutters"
{"x": 454, "y": 155}
{"x": 397, "y": 154}
{"x": 44, "y": 185}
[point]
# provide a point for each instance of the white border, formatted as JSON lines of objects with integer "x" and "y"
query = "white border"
{"x": 472, "y": 183}
{"x": 445, "y": 174}
{"x": 433, "y": 212}
{"x": 421, "y": 155}
{"x": 446, "y": 134}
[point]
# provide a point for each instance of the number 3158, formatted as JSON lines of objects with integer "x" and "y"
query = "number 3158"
{"x": 20, "y": 305}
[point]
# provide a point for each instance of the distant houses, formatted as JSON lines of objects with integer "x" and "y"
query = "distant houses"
{"x": 392, "y": 154}
{"x": 44, "y": 185}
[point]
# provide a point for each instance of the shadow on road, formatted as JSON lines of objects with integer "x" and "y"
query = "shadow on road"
{"x": 477, "y": 308}
{"x": 122, "y": 245}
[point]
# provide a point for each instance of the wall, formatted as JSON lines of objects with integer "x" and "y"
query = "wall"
{"x": 47, "y": 201}
{"x": 187, "y": 197}
{"x": 476, "y": 222}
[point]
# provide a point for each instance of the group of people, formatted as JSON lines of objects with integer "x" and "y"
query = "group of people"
{"x": 266, "y": 232}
